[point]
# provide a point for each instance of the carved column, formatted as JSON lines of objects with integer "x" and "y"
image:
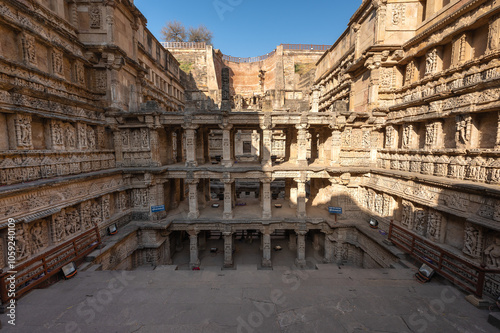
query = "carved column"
{"x": 194, "y": 261}
{"x": 228, "y": 249}
{"x": 336, "y": 142}
{"x": 154, "y": 144}
{"x": 266, "y": 249}
{"x": 497, "y": 146}
{"x": 228, "y": 197}
{"x": 301, "y": 248}
{"x": 302, "y": 144}
{"x": 266, "y": 198}
{"x": 301, "y": 197}
{"x": 190, "y": 146}
{"x": 329, "y": 249}
{"x": 227, "y": 146}
{"x": 194, "y": 212}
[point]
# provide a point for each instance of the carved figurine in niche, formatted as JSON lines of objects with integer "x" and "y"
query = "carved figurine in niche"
{"x": 463, "y": 129}
{"x": 91, "y": 138}
{"x": 58, "y": 226}
{"x": 106, "y": 207}
{"x": 407, "y": 219}
{"x": 86, "y": 215}
{"x": 70, "y": 136}
{"x": 22, "y": 243}
{"x": 431, "y": 62}
{"x": 407, "y": 135}
{"x": 145, "y": 137}
{"x": 37, "y": 236}
{"x": 471, "y": 241}
{"x": 434, "y": 224}
{"x": 136, "y": 139}
{"x": 96, "y": 213}
{"x": 420, "y": 221}
{"x": 493, "y": 253}
{"x": 23, "y": 130}
{"x": 72, "y": 222}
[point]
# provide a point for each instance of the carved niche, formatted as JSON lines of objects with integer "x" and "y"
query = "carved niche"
{"x": 70, "y": 134}
{"x": 407, "y": 217}
{"x": 420, "y": 221}
{"x": 493, "y": 33}
{"x": 390, "y": 137}
{"x": 29, "y": 54}
{"x": 434, "y": 225}
{"x": 473, "y": 240}
{"x": 23, "y": 244}
{"x": 79, "y": 73}
{"x": 57, "y": 134}
{"x": 106, "y": 207}
{"x": 431, "y": 59}
{"x": 410, "y": 72}
{"x": 81, "y": 131}
{"x": 398, "y": 14}
{"x": 432, "y": 132}
{"x": 86, "y": 215}
{"x": 23, "y": 131}
{"x": 386, "y": 77}
{"x": 407, "y": 136}
{"x": 492, "y": 253}
{"x": 38, "y": 233}
{"x": 95, "y": 16}
{"x": 57, "y": 62}
{"x": 91, "y": 138}
{"x": 463, "y": 129}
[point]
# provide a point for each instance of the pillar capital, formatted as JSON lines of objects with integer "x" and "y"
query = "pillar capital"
{"x": 226, "y": 127}
{"x": 190, "y": 127}
{"x": 193, "y": 232}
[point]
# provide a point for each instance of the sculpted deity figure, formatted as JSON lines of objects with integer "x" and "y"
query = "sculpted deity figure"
{"x": 493, "y": 253}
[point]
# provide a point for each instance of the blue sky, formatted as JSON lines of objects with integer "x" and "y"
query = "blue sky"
{"x": 249, "y": 28}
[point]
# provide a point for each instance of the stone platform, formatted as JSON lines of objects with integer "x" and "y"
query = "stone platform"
{"x": 329, "y": 299}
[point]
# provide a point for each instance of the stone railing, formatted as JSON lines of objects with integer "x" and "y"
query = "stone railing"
{"x": 18, "y": 167}
{"x": 183, "y": 45}
{"x": 474, "y": 167}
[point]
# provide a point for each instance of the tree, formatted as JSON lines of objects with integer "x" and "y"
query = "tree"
{"x": 174, "y": 31}
{"x": 200, "y": 34}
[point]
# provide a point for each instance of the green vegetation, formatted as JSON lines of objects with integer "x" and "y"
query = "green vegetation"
{"x": 186, "y": 66}
{"x": 302, "y": 69}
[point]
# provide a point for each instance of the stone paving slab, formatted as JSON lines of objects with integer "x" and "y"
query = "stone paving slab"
{"x": 246, "y": 300}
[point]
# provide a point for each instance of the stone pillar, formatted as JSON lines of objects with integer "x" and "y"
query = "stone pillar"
{"x": 190, "y": 146}
{"x": 228, "y": 197}
{"x": 167, "y": 256}
{"x": 301, "y": 248}
{"x": 194, "y": 261}
{"x": 335, "y": 149}
{"x": 266, "y": 146}
{"x": 329, "y": 249}
{"x": 302, "y": 144}
{"x": 497, "y": 145}
{"x": 194, "y": 212}
{"x": 154, "y": 144}
{"x": 266, "y": 249}
{"x": 315, "y": 98}
{"x": 301, "y": 197}
{"x": 228, "y": 249}
{"x": 266, "y": 198}
{"x": 201, "y": 141}
{"x": 226, "y": 97}
{"x": 227, "y": 146}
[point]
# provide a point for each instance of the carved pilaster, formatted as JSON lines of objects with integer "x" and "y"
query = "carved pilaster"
{"x": 228, "y": 249}
{"x": 228, "y": 197}
{"x": 302, "y": 144}
{"x": 191, "y": 146}
{"x": 194, "y": 260}
{"x": 301, "y": 248}
{"x": 194, "y": 212}
{"x": 227, "y": 147}
{"x": 266, "y": 198}
{"x": 301, "y": 197}
{"x": 266, "y": 249}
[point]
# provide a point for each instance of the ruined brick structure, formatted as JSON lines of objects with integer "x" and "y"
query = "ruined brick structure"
{"x": 398, "y": 120}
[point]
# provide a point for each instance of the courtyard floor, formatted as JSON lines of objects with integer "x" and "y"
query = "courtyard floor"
{"x": 327, "y": 299}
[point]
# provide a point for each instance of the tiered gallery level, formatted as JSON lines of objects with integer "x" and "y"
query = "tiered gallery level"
{"x": 398, "y": 121}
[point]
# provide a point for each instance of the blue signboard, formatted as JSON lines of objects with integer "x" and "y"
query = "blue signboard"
{"x": 156, "y": 209}
{"x": 335, "y": 210}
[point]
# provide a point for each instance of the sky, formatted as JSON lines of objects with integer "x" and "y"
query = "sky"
{"x": 250, "y": 28}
